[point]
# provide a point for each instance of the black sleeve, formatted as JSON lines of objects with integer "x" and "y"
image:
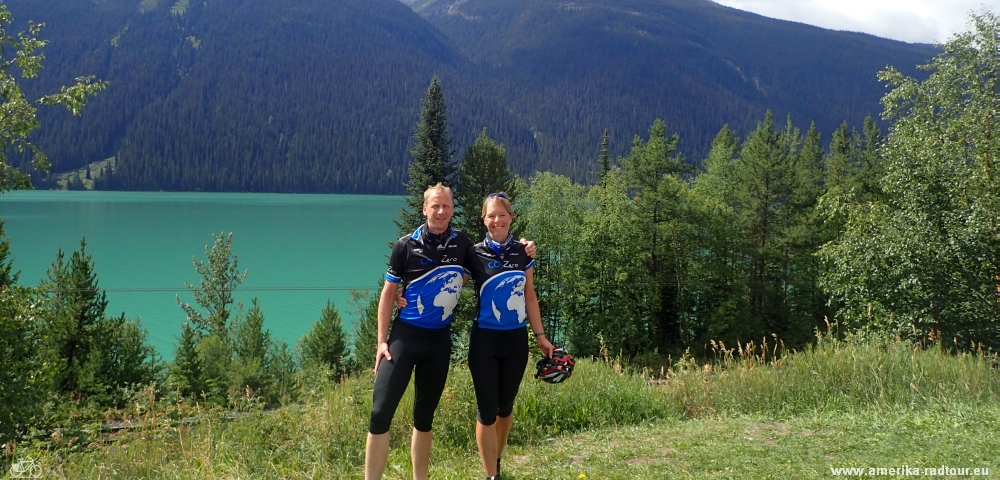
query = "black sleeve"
{"x": 397, "y": 262}
{"x": 472, "y": 265}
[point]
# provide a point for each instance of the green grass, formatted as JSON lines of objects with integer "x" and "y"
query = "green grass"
{"x": 839, "y": 404}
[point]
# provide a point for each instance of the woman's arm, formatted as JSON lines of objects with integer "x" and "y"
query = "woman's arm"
{"x": 534, "y": 314}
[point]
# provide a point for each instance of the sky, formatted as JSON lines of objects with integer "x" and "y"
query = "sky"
{"x": 924, "y": 21}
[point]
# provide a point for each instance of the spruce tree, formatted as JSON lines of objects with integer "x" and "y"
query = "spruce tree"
{"x": 188, "y": 371}
{"x": 653, "y": 172}
{"x": 119, "y": 357}
{"x": 326, "y": 344}
{"x": 251, "y": 344}
{"x": 605, "y": 158}
{"x": 765, "y": 180}
{"x": 483, "y": 171}
{"x": 431, "y": 157}
{"x": 79, "y": 305}
{"x": 366, "y": 327}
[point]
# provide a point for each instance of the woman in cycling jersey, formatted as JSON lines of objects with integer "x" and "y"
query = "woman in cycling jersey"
{"x": 498, "y": 343}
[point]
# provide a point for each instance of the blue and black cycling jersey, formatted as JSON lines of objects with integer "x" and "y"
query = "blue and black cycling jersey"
{"x": 498, "y": 271}
{"x": 430, "y": 267}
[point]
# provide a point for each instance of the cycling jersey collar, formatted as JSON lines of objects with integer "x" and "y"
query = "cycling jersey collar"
{"x": 500, "y": 248}
{"x": 425, "y": 236}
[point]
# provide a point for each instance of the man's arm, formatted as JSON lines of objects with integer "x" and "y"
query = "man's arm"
{"x": 529, "y": 247}
{"x": 385, "y": 304}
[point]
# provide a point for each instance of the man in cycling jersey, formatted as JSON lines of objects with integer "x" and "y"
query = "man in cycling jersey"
{"x": 430, "y": 264}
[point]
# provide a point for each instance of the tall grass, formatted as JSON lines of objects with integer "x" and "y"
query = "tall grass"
{"x": 831, "y": 376}
{"x": 324, "y": 436}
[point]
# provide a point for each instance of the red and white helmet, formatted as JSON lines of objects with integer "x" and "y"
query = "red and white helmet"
{"x": 555, "y": 369}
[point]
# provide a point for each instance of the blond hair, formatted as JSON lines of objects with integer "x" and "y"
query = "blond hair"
{"x": 439, "y": 188}
{"x": 500, "y": 200}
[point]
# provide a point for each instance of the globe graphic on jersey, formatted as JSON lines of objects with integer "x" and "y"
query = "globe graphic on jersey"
{"x": 511, "y": 289}
{"x": 442, "y": 290}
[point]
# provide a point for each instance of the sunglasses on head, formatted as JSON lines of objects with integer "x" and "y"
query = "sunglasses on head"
{"x": 498, "y": 194}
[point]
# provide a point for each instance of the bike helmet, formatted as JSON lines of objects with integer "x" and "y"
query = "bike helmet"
{"x": 555, "y": 369}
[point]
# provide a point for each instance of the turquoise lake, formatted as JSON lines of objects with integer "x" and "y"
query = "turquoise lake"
{"x": 298, "y": 250}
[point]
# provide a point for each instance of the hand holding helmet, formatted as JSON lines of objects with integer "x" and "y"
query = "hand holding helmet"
{"x": 555, "y": 369}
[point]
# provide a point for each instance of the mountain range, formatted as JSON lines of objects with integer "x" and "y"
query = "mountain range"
{"x": 323, "y": 96}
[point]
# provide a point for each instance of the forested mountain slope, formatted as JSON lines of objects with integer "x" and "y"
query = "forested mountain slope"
{"x": 585, "y": 65}
{"x": 322, "y": 96}
{"x": 286, "y": 95}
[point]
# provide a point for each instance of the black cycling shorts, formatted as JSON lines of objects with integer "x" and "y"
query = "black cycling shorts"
{"x": 497, "y": 359}
{"x": 414, "y": 349}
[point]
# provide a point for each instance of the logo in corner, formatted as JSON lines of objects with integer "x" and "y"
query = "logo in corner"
{"x": 26, "y": 469}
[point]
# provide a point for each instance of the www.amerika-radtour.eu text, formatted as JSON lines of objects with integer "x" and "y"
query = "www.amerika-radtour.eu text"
{"x": 908, "y": 471}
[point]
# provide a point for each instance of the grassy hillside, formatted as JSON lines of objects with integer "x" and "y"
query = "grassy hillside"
{"x": 841, "y": 404}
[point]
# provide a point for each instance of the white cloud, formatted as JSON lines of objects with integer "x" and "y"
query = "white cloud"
{"x": 925, "y": 21}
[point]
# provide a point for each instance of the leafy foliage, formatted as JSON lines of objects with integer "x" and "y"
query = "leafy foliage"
{"x": 919, "y": 255}
{"x": 219, "y": 278}
{"x": 27, "y": 370}
{"x": 22, "y": 52}
{"x": 8, "y": 276}
{"x": 554, "y": 209}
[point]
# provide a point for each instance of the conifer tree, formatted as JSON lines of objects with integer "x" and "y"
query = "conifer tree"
{"x": 653, "y": 171}
{"x": 119, "y": 357}
{"x": 721, "y": 300}
{"x": 366, "y": 327}
{"x": 483, "y": 171}
{"x": 842, "y": 161}
{"x": 251, "y": 348}
{"x": 766, "y": 180}
{"x": 79, "y": 305}
{"x": 809, "y": 170}
{"x": 604, "y": 160}
{"x": 432, "y": 162}
{"x": 187, "y": 372}
{"x": 720, "y": 165}
{"x": 327, "y": 343}
{"x": 251, "y": 340}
